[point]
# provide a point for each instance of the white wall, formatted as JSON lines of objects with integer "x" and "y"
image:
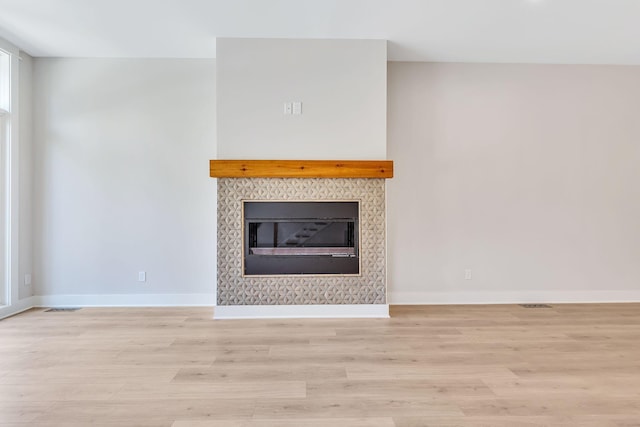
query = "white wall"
{"x": 527, "y": 174}
{"x": 26, "y": 172}
{"x": 121, "y": 179}
{"x": 341, "y": 84}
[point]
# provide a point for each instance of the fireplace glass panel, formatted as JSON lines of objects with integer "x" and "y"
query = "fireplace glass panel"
{"x": 301, "y": 238}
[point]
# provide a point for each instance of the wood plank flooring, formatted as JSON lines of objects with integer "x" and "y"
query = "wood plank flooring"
{"x": 446, "y": 366}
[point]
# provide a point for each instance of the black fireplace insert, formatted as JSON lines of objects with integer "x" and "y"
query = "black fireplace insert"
{"x": 300, "y": 238}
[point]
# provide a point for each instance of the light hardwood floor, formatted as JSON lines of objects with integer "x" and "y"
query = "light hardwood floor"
{"x": 570, "y": 365}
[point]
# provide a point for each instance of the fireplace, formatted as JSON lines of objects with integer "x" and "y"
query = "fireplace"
{"x": 236, "y": 288}
{"x": 300, "y": 237}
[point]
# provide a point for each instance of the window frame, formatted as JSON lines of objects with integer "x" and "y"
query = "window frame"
{"x": 9, "y": 185}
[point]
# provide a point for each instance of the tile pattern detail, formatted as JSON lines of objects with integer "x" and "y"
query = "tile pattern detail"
{"x": 368, "y": 288}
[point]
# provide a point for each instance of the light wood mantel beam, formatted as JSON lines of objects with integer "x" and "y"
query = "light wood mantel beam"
{"x": 301, "y": 168}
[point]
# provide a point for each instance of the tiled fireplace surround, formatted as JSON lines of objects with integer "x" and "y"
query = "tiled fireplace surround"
{"x": 233, "y": 289}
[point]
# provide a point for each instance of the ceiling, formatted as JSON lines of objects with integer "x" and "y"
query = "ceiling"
{"x": 534, "y": 31}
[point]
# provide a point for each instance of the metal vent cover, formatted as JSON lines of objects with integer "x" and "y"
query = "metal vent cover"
{"x": 61, "y": 309}
{"x": 535, "y": 305}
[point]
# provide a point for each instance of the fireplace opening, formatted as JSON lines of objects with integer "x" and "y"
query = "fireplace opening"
{"x": 283, "y": 238}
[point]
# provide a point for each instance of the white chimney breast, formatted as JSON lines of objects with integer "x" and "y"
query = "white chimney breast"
{"x": 342, "y": 82}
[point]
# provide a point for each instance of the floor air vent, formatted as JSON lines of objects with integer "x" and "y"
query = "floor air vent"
{"x": 535, "y": 305}
{"x": 55, "y": 310}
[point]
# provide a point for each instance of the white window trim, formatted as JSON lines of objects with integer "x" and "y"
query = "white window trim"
{"x": 5, "y": 285}
{"x": 11, "y": 199}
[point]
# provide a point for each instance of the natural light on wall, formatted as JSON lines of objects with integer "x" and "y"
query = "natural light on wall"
{"x": 5, "y": 75}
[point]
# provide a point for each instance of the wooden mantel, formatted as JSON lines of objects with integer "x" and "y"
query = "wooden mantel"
{"x": 301, "y": 168}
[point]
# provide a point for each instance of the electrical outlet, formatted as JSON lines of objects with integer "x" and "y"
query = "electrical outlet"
{"x": 27, "y": 279}
{"x": 467, "y": 274}
{"x": 297, "y": 108}
{"x": 142, "y": 276}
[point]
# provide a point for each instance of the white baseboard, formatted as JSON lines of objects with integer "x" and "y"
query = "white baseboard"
{"x": 126, "y": 300}
{"x": 301, "y": 311}
{"x": 437, "y": 298}
{"x": 317, "y": 311}
{"x": 22, "y": 305}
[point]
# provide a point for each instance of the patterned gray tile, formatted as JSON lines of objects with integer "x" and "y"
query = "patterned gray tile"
{"x": 367, "y": 288}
